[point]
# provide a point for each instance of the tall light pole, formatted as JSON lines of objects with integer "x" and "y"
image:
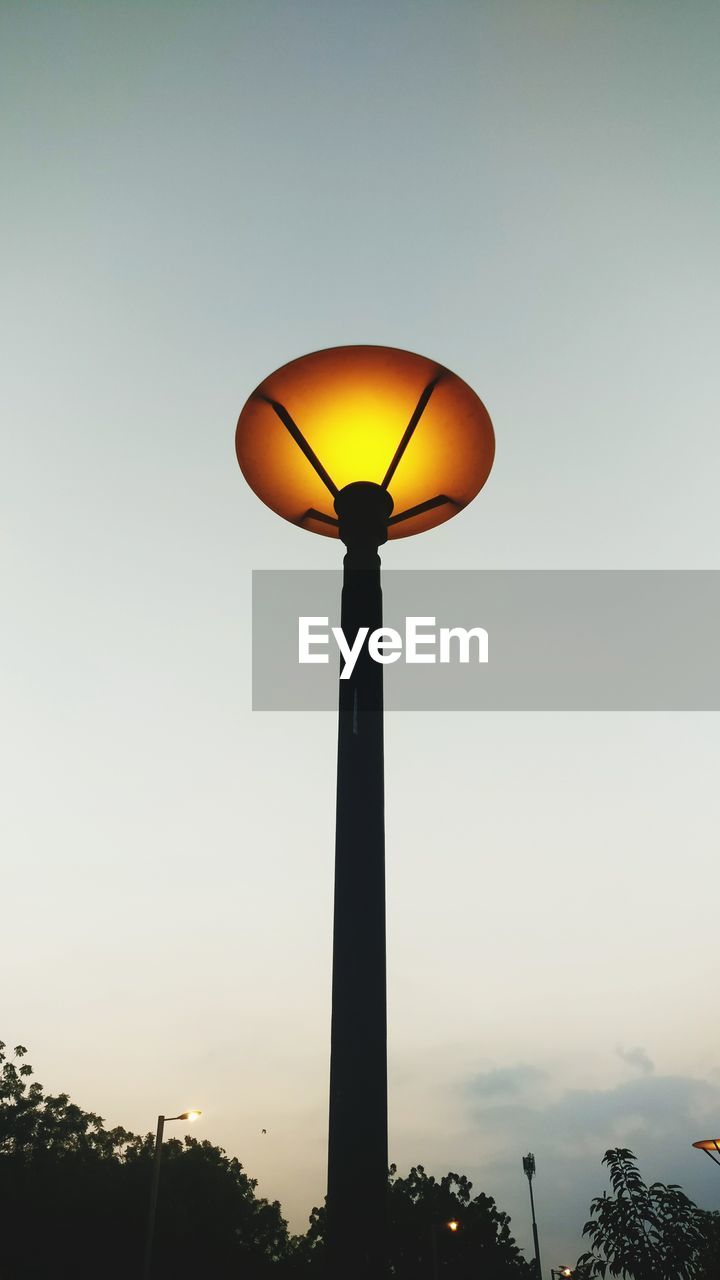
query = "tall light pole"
{"x": 529, "y": 1171}
{"x": 155, "y": 1183}
{"x": 365, "y": 444}
{"x": 711, "y": 1146}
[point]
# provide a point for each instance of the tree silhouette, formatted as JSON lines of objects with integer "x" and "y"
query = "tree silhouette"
{"x": 709, "y": 1258}
{"x": 483, "y": 1245}
{"x": 645, "y": 1232}
{"x": 419, "y": 1207}
{"x": 74, "y": 1197}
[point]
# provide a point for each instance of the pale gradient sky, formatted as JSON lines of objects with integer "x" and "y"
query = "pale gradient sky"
{"x": 193, "y": 194}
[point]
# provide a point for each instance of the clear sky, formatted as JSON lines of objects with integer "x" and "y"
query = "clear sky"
{"x": 193, "y": 194}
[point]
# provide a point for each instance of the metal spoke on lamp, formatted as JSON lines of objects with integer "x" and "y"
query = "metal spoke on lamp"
{"x": 410, "y": 428}
{"x": 364, "y": 443}
{"x": 155, "y": 1183}
{"x": 302, "y": 443}
{"x": 711, "y": 1146}
{"x": 440, "y": 501}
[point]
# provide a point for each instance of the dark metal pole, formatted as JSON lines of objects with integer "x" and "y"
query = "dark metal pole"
{"x": 433, "y": 1229}
{"x": 535, "y": 1232}
{"x": 358, "y": 1142}
{"x": 153, "y": 1198}
{"x": 529, "y": 1171}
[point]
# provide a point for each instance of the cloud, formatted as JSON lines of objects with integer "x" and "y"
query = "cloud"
{"x": 505, "y": 1082}
{"x": 638, "y": 1059}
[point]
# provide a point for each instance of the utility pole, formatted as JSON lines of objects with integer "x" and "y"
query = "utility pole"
{"x": 529, "y": 1171}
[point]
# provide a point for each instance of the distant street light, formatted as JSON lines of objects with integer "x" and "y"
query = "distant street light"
{"x": 711, "y": 1146}
{"x": 161, "y": 1122}
{"x": 452, "y": 1225}
{"x": 529, "y": 1171}
{"x": 561, "y": 1271}
{"x": 364, "y": 444}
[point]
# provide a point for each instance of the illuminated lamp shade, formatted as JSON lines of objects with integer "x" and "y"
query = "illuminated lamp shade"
{"x": 708, "y": 1144}
{"x": 365, "y": 413}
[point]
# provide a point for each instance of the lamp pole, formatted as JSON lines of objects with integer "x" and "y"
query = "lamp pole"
{"x": 529, "y": 1171}
{"x": 308, "y": 440}
{"x": 434, "y": 1228}
{"x": 358, "y": 1141}
{"x": 155, "y": 1183}
{"x": 434, "y": 1231}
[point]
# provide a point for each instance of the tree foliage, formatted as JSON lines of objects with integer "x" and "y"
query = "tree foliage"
{"x": 74, "y": 1196}
{"x": 709, "y": 1256}
{"x": 419, "y": 1208}
{"x": 644, "y": 1232}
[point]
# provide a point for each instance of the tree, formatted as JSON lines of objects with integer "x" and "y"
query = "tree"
{"x": 483, "y": 1244}
{"x": 74, "y": 1197}
{"x": 209, "y": 1220}
{"x": 709, "y": 1259}
{"x": 645, "y": 1232}
{"x": 419, "y": 1207}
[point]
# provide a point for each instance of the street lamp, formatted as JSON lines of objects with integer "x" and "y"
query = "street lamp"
{"x": 452, "y": 1225}
{"x": 561, "y": 1271}
{"x": 711, "y": 1146}
{"x": 529, "y": 1171}
{"x": 161, "y": 1122}
{"x": 364, "y": 443}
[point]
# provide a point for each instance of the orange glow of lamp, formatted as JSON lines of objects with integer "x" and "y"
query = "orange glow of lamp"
{"x": 378, "y": 415}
